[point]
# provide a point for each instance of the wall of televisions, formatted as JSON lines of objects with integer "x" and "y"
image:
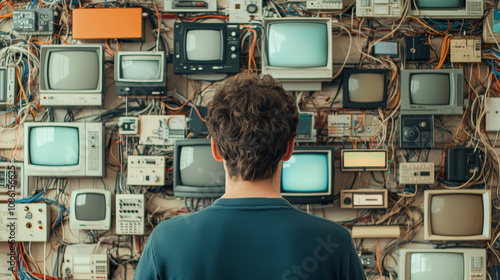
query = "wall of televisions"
{"x": 102, "y": 107}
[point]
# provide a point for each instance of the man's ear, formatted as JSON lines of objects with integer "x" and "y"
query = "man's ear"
{"x": 289, "y": 149}
{"x": 215, "y": 153}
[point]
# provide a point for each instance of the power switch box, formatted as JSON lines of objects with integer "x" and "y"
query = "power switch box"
{"x": 128, "y": 125}
{"x": 30, "y": 222}
{"x": 146, "y": 170}
{"x": 33, "y": 21}
{"x": 130, "y": 214}
{"x": 364, "y": 199}
{"x": 81, "y": 262}
{"x": 367, "y": 260}
{"x": 107, "y": 23}
{"x": 462, "y": 163}
{"x": 243, "y": 11}
{"x": 161, "y": 130}
{"x": 465, "y": 50}
{"x": 416, "y": 173}
{"x": 493, "y": 114}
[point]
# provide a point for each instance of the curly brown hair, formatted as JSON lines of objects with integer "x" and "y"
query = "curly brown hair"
{"x": 251, "y": 120}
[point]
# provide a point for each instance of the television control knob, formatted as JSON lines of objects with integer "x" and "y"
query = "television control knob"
{"x": 154, "y": 178}
{"x": 347, "y": 201}
{"x": 423, "y": 124}
{"x": 233, "y": 48}
{"x": 252, "y": 8}
{"x": 233, "y": 33}
{"x": 233, "y": 56}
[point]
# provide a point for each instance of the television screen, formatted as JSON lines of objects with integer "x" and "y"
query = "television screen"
{"x": 54, "y": 146}
{"x": 435, "y": 265}
{"x": 90, "y": 207}
{"x": 73, "y": 70}
{"x": 297, "y": 44}
{"x": 204, "y": 45}
{"x": 366, "y": 87}
{"x": 305, "y": 173}
{"x": 140, "y": 68}
{"x": 199, "y": 168}
{"x": 457, "y": 214}
{"x": 430, "y": 89}
{"x": 443, "y": 4}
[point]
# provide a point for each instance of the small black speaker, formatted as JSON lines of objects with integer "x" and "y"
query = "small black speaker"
{"x": 461, "y": 163}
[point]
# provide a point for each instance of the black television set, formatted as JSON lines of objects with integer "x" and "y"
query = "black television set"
{"x": 364, "y": 88}
{"x": 196, "y": 172}
{"x": 206, "y": 49}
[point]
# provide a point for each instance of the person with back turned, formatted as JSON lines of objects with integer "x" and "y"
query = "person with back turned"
{"x": 251, "y": 232}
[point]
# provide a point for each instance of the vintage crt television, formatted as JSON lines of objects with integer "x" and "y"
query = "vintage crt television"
{"x": 307, "y": 177}
{"x": 298, "y": 52}
{"x": 439, "y": 264}
{"x": 432, "y": 92}
{"x": 447, "y": 9}
{"x": 63, "y": 149}
{"x": 206, "y": 48}
{"x": 140, "y": 73}
{"x": 90, "y": 209}
{"x": 459, "y": 215}
{"x": 196, "y": 172}
{"x": 364, "y": 88}
{"x": 7, "y": 86}
{"x": 71, "y": 75}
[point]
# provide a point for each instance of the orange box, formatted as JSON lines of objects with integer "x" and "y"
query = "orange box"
{"x": 107, "y": 23}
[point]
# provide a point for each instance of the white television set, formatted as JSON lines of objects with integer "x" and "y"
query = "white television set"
{"x": 439, "y": 264}
{"x": 447, "y": 9}
{"x": 90, "y": 209}
{"x": 64, "y": 149}
{"x": 432, "y": 92}
{"x": 298, "y": 52}
{"x": 71, "y": 75}
{"x": 459, "y": 215}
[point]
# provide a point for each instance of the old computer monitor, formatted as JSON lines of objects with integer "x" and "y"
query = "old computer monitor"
{"x": 432, "y": 92}
{"x": 308, "y": 176}
{"x": 298, "y": 52}
{"x": 64, "y": 149}
{"x": 90, "y": 209}
{"x": 447, "y": 9}
{"x": 71, "y": 75}
{"x": 196, "y": 172}
{"x": 364, "y": 88}
{"x": 140, "y": 73}
{"x": 457, "y": 215}
{"x": 206, "y": 50}
{"x": 439, "y": 264}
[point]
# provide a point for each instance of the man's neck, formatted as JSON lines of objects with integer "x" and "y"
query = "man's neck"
{"x": 261, "y": 188}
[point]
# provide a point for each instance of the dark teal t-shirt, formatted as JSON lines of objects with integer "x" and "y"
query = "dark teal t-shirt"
{"x": 249, "y": 238}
